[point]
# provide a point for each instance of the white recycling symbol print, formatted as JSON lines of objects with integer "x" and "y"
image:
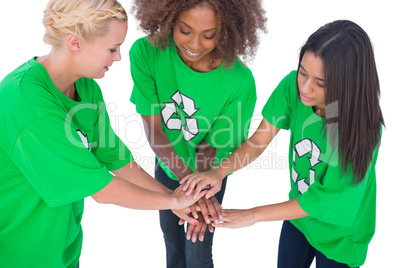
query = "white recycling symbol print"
{"x": 189, "y": 109}
{"x": 302, "y": 148}
{"x": 84, "y": 139}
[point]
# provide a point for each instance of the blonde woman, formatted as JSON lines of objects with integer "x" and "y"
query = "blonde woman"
{"x": 59, "y": 147}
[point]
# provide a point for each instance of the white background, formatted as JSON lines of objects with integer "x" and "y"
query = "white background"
{"x": 118, "y": 237}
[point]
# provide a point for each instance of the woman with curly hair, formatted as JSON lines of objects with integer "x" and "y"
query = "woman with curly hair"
{"x": 59, "y": 146}
{"x": 196, "y": 98}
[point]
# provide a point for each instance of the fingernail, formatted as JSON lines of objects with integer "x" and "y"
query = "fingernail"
{"x": 196, "y": 223}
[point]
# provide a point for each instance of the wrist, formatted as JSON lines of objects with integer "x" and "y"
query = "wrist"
{"x": 219, "y": 172}
{"x": 256, "y": 214}
{"x": 174, "y": 202}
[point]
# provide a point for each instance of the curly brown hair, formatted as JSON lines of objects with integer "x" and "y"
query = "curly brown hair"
{"x": 240, "y": 21}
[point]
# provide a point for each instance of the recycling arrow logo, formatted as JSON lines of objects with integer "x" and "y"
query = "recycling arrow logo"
{"x": 190, "y": 127}
{"x": 302, "y": 148}
{"x": 84, "y": 139}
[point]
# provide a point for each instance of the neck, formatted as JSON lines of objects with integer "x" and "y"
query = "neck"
{"x": 60, "y": 70}
{"x": 319, "y": 111}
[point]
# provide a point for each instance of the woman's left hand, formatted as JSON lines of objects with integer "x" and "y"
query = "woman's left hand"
{"x": 236, "y": 218}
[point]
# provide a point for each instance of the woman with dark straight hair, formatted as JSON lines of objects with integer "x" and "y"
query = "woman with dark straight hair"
{"x": 352, "y": 85}
{"x": 331, "y": 105}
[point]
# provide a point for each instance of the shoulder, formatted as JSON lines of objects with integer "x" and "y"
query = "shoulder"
{"x": 143, "y": 46}
{"x": 290, "y": 79}
{"x": 240, "y": 68}
{"x": 239, "y": 73}
{"x": 287, "y": 85}
{"x": 26, "y": 77}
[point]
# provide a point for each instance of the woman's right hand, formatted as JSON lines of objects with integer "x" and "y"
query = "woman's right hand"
{"x": 195, "y": 183}
{"x": 183, "y": 200}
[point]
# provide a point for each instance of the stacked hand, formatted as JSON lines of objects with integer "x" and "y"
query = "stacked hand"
{"x": 207, "y": 212}
{"x": 200, "y": 216}
{"x": 197, "y": 182}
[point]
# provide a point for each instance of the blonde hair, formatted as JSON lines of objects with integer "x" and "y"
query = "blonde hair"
{"x": 85, "y": 18}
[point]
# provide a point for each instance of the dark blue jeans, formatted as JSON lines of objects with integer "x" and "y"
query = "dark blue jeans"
{"x": 180, "y": 252}
{"x": 296, "y": 252}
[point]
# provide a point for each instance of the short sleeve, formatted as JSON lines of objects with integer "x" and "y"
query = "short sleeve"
{"x": 278, "y": 109}
{"x": 144, "y": 94}
{"x": 231, "y": 128}
{"x": 59, "y": 167}
{"x": 337, "y": 199}
{"x": 109, "y": 150}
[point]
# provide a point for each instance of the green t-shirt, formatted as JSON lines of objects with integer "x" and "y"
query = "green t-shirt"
{"x": 342, "y": 215}
{"x": 54, "y": 152}
{"x": 216, "y": 106}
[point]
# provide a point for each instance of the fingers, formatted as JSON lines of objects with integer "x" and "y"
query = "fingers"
{"x": 211, "y": 192}
{"x": 199, "y": 187}
{"x": 194, "y": 211}
{"x": 195, "y": 184}
{"x": 190, "y": 230}
{"x": 204, "y": 210}
{"x": 212, "y": 209}
{"x": 190, "y": 220}
{"x": 194, "y": 231}
{"x": 216, "y": 207}
{"x": 184, "y": 216}
{"x": 201, "y": 233}
{"x": 211, "y": 228}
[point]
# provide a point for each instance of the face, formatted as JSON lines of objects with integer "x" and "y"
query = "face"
{"x": 98, "y": 54}
{"x": 310, "y": 78}
{"x": 195, "y": 35}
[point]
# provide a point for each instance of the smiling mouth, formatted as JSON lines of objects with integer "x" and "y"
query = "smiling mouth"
{"x": 192, "y": 54}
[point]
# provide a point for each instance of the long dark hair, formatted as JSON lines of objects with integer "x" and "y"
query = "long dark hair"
{"x": 352, "y": 93}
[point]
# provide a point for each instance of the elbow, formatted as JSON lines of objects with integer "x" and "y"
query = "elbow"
{"x": 103, "y": 196}
{"x": 100, "y": 198}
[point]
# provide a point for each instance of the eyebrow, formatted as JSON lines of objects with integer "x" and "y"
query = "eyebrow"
{"x": 323, "y": 80}
{"x": 192, "y": 28}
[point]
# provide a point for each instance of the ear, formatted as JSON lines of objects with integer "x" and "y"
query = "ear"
{"x": 74, "y": 42}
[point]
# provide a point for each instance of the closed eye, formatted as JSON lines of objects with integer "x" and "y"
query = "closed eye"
{"x": 183, "y": 32}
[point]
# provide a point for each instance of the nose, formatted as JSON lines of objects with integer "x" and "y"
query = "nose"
{"x": 306, "y": 86}
{"x": 117, "y": 55}
{"x": 194, "y": 43}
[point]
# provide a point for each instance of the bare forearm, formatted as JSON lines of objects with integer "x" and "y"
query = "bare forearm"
{"x": 169, "y": 157}
{"x": 249, "y": 150}
{"x": 123, "y": 193}
{"x": 288, "y": 210}
{"x": 238, "y": 218}
{"x": 133, "y": 173}
{"x": 205, "y": 157}
{"x": 241, "y": 157}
